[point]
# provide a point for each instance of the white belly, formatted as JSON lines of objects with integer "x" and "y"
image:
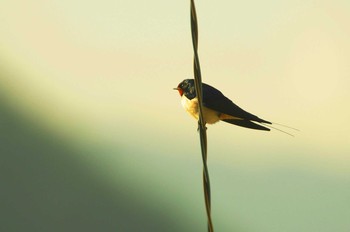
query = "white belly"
{"x": 191, "y": 106}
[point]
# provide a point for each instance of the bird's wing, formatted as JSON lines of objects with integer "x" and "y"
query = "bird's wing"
{"x": 215, "y": 100}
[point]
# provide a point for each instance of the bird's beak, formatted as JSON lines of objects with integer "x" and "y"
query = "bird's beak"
{"x": 179, "y": 89}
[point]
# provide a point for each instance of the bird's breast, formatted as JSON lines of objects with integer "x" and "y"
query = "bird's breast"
{"x": 191, "y": 106}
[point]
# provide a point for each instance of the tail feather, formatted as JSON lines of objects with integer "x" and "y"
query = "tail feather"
{"x": 281, "y": 130}
{"x": 246, "y": 123}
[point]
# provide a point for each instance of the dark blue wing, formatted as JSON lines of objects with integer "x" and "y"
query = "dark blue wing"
{"x": 214, "y": 99}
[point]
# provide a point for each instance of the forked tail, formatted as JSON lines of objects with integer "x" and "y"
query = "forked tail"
{"x": 283, "y": 131}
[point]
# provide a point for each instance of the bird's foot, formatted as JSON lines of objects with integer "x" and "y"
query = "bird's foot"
{"x": 199, "y": 127}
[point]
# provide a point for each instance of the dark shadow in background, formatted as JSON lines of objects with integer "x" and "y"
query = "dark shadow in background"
{"x": 44, "y": 187}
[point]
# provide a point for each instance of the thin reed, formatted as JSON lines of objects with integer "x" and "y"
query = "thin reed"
{"x": 201, "y": 123}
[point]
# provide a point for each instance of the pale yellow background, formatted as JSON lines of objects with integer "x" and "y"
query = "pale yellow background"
{"x": 98, "y": 75}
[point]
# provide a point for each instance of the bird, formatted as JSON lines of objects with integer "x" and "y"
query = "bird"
{"x": 217, "y": 107}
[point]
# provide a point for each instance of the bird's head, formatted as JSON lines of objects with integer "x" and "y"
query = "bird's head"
{"x": 186, "y": 87}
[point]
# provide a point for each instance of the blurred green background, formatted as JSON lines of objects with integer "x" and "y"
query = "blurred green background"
{"x": 93, "y": 138}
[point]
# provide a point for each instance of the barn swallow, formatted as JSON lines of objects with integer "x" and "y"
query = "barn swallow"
{"x": 217, "y": 107}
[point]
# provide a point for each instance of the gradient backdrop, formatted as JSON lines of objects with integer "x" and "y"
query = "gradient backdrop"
{"x": 93, "y": 138}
